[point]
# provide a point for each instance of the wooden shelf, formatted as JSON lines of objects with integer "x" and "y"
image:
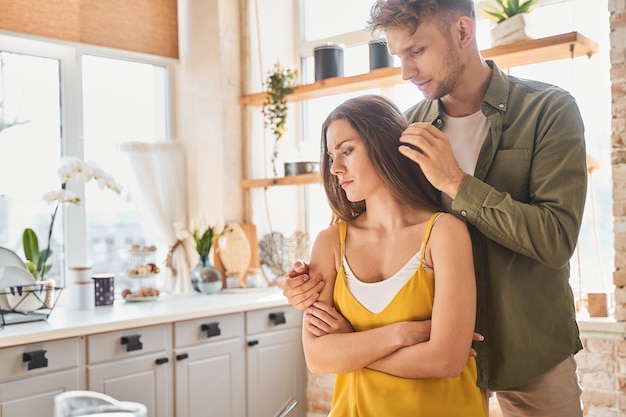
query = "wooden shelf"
{"x": 564, "y": 46}
{"x": 301, "y": 179}
{"x": 533, "y": 51}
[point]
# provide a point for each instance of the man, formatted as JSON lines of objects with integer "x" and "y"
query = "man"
{"x": 508, "y": 156}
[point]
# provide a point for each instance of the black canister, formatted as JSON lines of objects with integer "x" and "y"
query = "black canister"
{"x": 379, "y": 55}
{"x": 104, "y": 289}
{"x": 328, "y": 61}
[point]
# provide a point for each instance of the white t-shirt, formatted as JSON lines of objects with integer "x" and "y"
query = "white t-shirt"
{"x": 467, "y": 135}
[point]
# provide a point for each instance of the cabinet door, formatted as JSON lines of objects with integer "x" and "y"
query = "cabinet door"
{"x": 210, "y": 380}
{"x": 143, "y": 379}
{"x": 35, "y": 396}
{"x": 276, "y": 371}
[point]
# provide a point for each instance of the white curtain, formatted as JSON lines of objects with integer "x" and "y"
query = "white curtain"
{"x": 159, "y": 190}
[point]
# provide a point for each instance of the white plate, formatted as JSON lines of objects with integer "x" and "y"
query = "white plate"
{"x": 127, "y": 275}
{"x": 240, "y": 290}
{"x": 8, "y": 257}
{"x": 18, "y": 290}
{"x": 141, "y": 299}
{"x": 11, "y": 276}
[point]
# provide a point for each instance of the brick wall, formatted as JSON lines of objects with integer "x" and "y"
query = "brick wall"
{"x": 602, "y": 373}
{"x": 617, "y": 9}
{"x": 602, "y": 363}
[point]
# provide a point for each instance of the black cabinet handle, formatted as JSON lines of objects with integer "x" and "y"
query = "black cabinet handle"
{"x": 253, "y": 342}
{"x": 182, "y": 356}
{"x": 132, "y": 342}
{"x": 161, "y": 361}
{"x": 278, "y": 318}
{"x": 211, "y": 329}
{"x": 36, "y": 359}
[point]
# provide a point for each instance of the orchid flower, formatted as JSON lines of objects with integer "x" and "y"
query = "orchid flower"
{"x": 71, "y": 169}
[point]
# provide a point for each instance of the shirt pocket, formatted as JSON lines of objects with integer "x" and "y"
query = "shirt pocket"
{"x": 510, "y": 172}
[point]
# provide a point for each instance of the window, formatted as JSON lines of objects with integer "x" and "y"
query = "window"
{"x": 31, "y": 124}
{"x": 123, "y": 101}
{"x": 58, "y": 100}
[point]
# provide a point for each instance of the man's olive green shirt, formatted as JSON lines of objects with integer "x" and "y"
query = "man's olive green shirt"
{"x": 523, "y": 207}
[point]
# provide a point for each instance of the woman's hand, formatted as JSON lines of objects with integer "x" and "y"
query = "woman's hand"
{"x": 300, "y": 289}
{"x": 321, "y": 319}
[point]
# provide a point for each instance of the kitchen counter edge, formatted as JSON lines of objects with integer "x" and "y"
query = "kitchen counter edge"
{"x": 66, "y": 322}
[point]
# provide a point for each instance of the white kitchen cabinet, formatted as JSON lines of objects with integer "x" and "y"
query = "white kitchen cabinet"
{"x": 183, "y": 356}
{"x": 133, "y": 365}
{"x": 32, "y": 375}
{"x": 276, "y": 369}
{"x": 210, "y": 367}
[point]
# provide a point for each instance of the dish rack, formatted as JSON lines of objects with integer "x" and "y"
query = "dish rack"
{"x": 26, "y": 303}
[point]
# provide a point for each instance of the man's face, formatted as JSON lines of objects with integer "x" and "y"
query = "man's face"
{"x": 430, "y": 59}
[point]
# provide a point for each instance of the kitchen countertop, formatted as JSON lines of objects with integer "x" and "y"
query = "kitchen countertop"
{"x": 66, "y": 322}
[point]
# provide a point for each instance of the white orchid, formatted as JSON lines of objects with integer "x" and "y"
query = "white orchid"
{"x": 61, "y": 196}
{"x": 71, "y": 169}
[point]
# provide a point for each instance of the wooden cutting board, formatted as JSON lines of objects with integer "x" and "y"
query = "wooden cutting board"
{"x": 232, "y": 257}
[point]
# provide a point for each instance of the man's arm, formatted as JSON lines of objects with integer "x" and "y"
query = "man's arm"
{"x": 533, "y": 203}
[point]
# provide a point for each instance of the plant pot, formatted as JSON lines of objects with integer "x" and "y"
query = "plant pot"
{"x": 514, "y": 29}
{"x": 328, "y": 61}
{"x": 597, "y": 304}
{"x": 28, "y": 298}
{"x": 379, "y": 54}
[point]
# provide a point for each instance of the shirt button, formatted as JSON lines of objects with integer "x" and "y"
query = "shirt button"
{"x": 501, "y": 105}
{"x": 463, "y": 213}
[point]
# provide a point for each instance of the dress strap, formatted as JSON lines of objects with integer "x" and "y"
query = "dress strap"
{"x": 343, "y": 230}
{"x": 429, "y": 228}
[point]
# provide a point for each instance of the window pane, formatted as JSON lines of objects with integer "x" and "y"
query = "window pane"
{"x": 30, "y": 151}
{"x": 325, "y": 18}
{"x": 123, "y": 102}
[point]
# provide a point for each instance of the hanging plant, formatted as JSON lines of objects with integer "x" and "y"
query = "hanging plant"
{"x": 279, "y": 83}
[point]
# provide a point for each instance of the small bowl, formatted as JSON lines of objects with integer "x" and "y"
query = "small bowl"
{"x": 296, "y": 168}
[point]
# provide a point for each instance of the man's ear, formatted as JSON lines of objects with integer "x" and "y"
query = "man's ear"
{"x": 465, "y": 30}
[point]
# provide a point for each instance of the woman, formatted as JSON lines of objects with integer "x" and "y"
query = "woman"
{"x": 381, "y": 262}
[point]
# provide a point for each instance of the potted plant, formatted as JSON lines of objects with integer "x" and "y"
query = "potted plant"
{"x": 280, "y": 82}
{"x": 510, "y": 20}
{"x": 205, "y": 278}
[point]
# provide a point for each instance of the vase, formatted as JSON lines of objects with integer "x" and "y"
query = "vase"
{"x": 205, "y": 278}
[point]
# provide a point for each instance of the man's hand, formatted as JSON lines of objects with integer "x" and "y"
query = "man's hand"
{"x": 300, "y": 289}
{"x": 321, "y": 319}
{"x": 430, "y": 148}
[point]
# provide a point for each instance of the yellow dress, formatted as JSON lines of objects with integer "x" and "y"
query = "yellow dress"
{"x": 366, "y": 393}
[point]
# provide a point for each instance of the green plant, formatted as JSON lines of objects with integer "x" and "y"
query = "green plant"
{"x": 35, "y": 259}
{"x": 280, "y": 82}
{"x": 202, "y": 236}
{"x": 506, "y": 9}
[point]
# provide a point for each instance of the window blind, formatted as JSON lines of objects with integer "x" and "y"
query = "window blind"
{"x": 147, "y": 26}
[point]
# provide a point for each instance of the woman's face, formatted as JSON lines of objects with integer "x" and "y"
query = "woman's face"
{"x": 350, "y": 162}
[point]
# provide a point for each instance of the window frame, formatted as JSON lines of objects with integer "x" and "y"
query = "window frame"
{"x": 69, "y": 56}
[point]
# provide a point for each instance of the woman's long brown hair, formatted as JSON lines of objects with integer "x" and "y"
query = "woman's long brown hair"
{"x": 379, "y": 123}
